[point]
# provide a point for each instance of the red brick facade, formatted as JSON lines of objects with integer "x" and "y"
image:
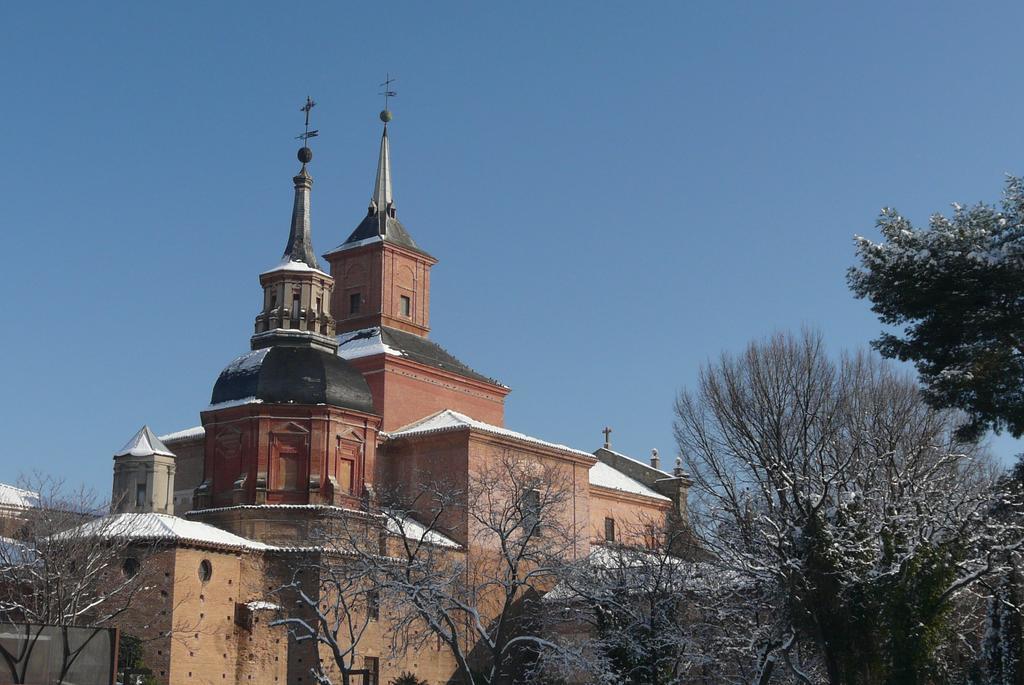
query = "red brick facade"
{"x": 373, "y": 279}
{"x": 287, "y": 454}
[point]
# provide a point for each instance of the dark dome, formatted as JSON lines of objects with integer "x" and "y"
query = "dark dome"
{"x": 295, "y": 375}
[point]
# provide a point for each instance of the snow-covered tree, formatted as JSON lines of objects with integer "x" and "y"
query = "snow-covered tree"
{"x": 484, "y": 605}
{"x": 330, "y": 599}
{"x": 1001, "y": 645}
{"x": 843, "y": 502}
{"x": 645, "y": 616}
{"x": 50, "y": 576}
{"x": 397, "y": 562}
{"x": 957, "y": 290}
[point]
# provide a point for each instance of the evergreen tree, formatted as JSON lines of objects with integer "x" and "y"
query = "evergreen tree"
{"x": 957, "y": 290}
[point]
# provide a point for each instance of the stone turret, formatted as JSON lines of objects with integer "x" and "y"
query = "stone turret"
{"x": 143, "y": 476}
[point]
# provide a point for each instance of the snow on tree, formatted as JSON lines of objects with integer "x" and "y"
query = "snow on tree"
{"x": 646, "y": 616}
{"x": 845, "y": 504}
{"x": 957, "y": 290}
{"x": 397, "y": 563}
{"x": 484, "y": 604}
{"x": 50, "y": 576}
{"x": 330, "y": 599}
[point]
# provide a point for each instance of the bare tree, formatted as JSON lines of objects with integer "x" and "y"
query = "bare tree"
{"x": 845, "y": 504}
{"x": 332, "y": 597}
{"x": 50, "y": 576}
{"x": 482, "y": 603}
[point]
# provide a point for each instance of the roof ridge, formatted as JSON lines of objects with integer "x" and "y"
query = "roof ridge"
{"x": 417, "y": 422}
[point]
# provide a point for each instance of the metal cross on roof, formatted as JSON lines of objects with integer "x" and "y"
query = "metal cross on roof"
{"x": 607, "y": 437}
{"x": 307, "y": 134}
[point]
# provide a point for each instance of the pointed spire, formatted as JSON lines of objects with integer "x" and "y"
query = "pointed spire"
{"x": 381, "y": 220}
{"x": 300, "y": 242}
{"x": 143, "y": 444}
{"x": 383, "y": 200}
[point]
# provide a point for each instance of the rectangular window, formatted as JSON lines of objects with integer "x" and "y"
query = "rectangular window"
{"x": 372, "y": 670}
{"x": 140, "y": 495}
{"x": 531, "y": 511}
{"x": 652, "y": 537}
{"x": 354, "y": 300}
{"x": 319, "y": 308}
{"x": 406, "y": 305}
{"x": 346, "y": 467}
{"x": 289, "y": 469}
{"x": 609, "y": 529}
{"x": 373, "y": 604}
{"x": 295, "y": 307}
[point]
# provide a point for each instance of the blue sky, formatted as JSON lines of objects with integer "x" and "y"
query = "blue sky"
{"x": 616, "y": 192}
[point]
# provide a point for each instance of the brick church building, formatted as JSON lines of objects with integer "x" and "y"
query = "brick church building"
{"x": 342, "y": 394}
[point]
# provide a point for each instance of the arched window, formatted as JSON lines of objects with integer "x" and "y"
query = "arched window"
{"x": 130, "y": 567}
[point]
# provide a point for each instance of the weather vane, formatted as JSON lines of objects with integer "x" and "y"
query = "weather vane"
{"x": 385, "y": 114}
{"x": 307, "y": 134}
{"x": 305, "y": 154}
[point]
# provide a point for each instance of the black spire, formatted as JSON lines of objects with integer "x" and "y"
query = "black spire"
{"x": 300, "y": 242}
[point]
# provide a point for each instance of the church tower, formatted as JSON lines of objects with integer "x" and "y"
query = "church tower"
{"x": 382, "y": 304}
{"x": 382, "y": 275}
{"x": 290, "y": 421}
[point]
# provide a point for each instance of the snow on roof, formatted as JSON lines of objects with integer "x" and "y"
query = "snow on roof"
{"x": 185, "y": 434}
{"x": 449, "y": 420}
{"x": 605, "y": 476}
{"x": 11, "y": 496}
{"x": 654, "y": 472}
{"x": 162, "y": 527}
{"x": 356, "y": 243}
{"x": 287, "y": 264}
{"x": 414, "y": 530}
{"x": 364, "y": 343}
{"x": 143, "y": 444}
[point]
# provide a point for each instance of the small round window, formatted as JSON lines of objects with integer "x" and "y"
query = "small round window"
{"x": 205, "y": 570}
{"x": 130, "y": 567}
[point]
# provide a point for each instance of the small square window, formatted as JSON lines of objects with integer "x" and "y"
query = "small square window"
{"x": 406, "y": 304}
{"x": 354, "y": 300}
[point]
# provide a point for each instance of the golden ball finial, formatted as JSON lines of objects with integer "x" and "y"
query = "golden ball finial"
{"x": 385, "y": 115}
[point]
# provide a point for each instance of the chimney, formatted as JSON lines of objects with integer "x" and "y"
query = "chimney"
{"x": 654, "y": 459}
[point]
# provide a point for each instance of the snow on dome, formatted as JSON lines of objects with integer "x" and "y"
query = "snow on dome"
{"x": 605, "y": 476}
{"x": 143, "y": 444}
{"x": 161, "y": 527}
{"x": 234, "y": 403}
{"x": 20, "y": 498}
{"x": 246, "y": 362}
{"x": 449, "y": 420}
